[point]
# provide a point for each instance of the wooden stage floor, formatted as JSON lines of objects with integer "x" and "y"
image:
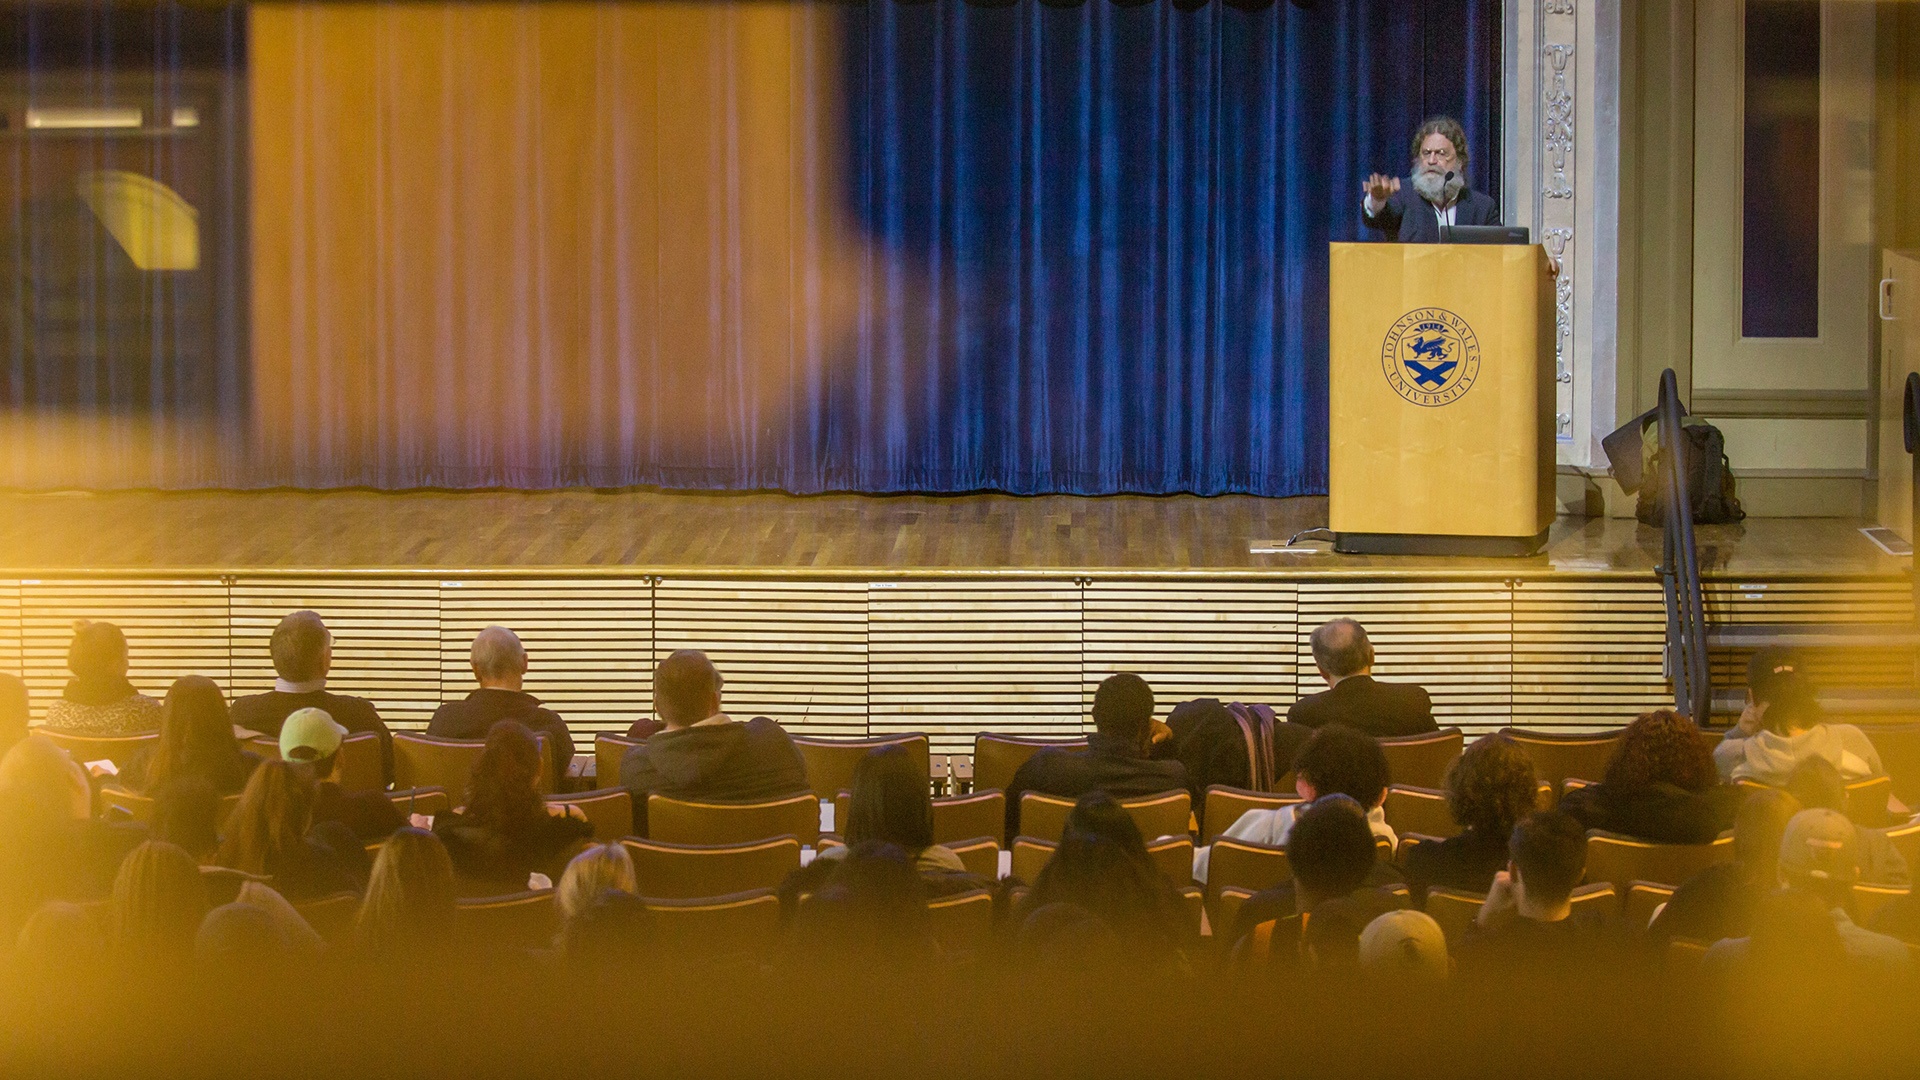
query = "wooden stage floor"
{"x": 637, "y": 531}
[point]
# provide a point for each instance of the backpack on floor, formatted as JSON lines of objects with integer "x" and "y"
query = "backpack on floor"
{"x": 1710, "y": 486}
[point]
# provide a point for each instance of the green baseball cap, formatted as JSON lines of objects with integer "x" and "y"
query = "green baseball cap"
{"x": 309, "y": 735}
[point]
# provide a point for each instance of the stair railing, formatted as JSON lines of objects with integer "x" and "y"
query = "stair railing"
{"x": 1686, "y": 651}
{"x": 1910, "y": 434}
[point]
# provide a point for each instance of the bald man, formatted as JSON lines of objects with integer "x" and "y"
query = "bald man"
{"x": 1353, "y": 696}
{"x": 500, "y": 666}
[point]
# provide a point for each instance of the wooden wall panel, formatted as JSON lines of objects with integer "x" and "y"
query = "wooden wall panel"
{"x": 1454, "y": 638}
{"x": 386, "y": 638}
{"x": 10, "y": 636}
{"x": 1586, "y": 654}
{"x": 792, "y": 650}
{"x": 589, "y": 642}
{"x": 174, "y": 627}
{"x": 954, "y": 658}
{"x": 1230, "y": 640}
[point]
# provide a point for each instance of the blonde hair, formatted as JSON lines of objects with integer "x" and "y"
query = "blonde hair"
{"x": 158, "y": 900}
{"x": 600, "y": 868}
{"x": 39, "y": 780}
{"x": 410, "y": 896}
{"x": 272, "y": 818}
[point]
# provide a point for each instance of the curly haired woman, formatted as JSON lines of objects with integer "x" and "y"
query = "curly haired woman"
{"x": 1661, "y": 786}
{"x": 1489, "y": 789}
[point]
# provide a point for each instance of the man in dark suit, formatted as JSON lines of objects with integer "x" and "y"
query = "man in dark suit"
{"x": 1115, "y": 761}
{"x": 302, "y": 651}
{"x": 1383, "y": 710}
{"x": 1438, "y": 193}
{"x": 500, "y": 667}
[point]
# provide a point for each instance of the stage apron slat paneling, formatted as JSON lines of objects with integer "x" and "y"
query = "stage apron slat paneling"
{"x": 1453, "y": 637}
{"x": 386, "y": 638}
{"x": 1188, "y": 640}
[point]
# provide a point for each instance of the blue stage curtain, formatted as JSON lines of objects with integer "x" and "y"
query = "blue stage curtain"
{"x": 1075, "y": 249}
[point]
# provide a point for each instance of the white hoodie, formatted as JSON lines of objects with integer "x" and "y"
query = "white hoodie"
{"x": 1768, "y": 758}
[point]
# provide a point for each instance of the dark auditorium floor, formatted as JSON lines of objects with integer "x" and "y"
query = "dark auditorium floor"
{"x": 763, "y": 531}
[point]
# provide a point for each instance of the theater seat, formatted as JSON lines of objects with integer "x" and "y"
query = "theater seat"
{"x": 1225, "y": 912}
{"x": 608, "y": 750}
{"x": 981, "y": 854}
{"x": 1224, "y": 805}
{"x": 1168, "y": 813}
{"x": 830, "y": 762}
{"x": 686, "y": 871}
{"x": 1558, "y": 755}
{"x": 678, "y": 821}
{"x": 1454, "y": 909}
{"x": 717, "y": 926}
{"x": 1642, "y": 900}
{"x": 997, "y": 757}
{"x": 118, "y": 749}
{"x": 1423, "y": 760}
{"x": 332, "y": 917}
{"x": 429, "y": 801}
{"x": 955, "y": 817}
{"x": 137, "y": 807}
{"x": 421, "y": 760}
{"x": 1621, "y": 860}
{"x": 1244, "y": 865}
{"x": 961, "y": 923}
{"x": 608, "y": 810}
{"x": 1419, "y": 810}
{"x": 524, "y": 920}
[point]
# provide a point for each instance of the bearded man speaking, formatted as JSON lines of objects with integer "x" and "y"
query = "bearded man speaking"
{"x": 1440, "y": 183}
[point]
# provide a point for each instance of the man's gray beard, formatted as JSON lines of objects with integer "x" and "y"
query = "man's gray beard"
{"x": 1436, "y": 188}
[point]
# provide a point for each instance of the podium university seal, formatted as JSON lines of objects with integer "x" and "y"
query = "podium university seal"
{"x": 1431, "y": 357}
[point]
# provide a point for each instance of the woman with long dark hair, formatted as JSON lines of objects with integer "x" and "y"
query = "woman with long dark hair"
{"x": 1661, "y": 786}
{"x": 1102, "y": 868}
{"x": 271, "y": 832}
{"x": 196, "y": 740}
{"x": 893, "y": 804}
{"x": 505, "y": 833}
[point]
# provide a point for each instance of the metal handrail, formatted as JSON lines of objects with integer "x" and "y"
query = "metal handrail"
{"x": 1910, "y": 435}
{"x": 1686, "y": 653}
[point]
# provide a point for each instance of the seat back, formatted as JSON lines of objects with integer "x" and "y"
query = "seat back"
{"x": 708, "y": 927}
{"x": 1224, "y": 805}
{"x": 1906, "y": 840}
{"x": 118, "y": 749}
{"x": 1419, "y": 810}
{"x": 608, "y": 810}
{"x": 1899, "y": 747}
{"x": 429, "y": 801}
{"x": 1225, "y": 912}
{"x": 1174, "y": 856}
{"x": 961, "y": 923}
{"x": 608, "y": 751}
{"x": 830, "y": 762}
{"x": 669, "y": 871}
{"x": 430, "y": 761}
{"x": 524, "y": 920}
{"x": 678, "y": 821}
{"x": 1869, "y": 899}
{"x": 1030, "y": 856}
{"x": 1642, "y": 900}
{"x": 1409, "y": 841}
{"x": 1621, "y": 860}
{"x": 331, "y": 917}
{"x": 359, "y": 764}
{"x": 1164, "y": 814}
{"x": 1423, "y": 760}
{"x": 1453, "y": 910}
{"x": 139, "y": 807}
{"x": 981, "y": 854}
{"x": 1867, "y": 801}
{"x": 1558, "y": 755}
{"x": 997, "y": 757}
{"x": 1240, "y": 864}
{"x": 955, "y": 817}
{"x": 1193, "y": 904}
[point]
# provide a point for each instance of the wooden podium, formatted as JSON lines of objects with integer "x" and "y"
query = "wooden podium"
{"x": 1441, "y": 393}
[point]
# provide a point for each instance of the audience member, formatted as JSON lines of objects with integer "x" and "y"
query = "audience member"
{"x": 703, "y": 753}
{"x": 196, "y": 740}
{"x": 1719, "y": 902}
{"x": 15, "y": 711}
{"x": 157, "y": 904}
{"x": 1115, "y": 761}
{"x": 1781, "y": 728}
{"x": 892, "y": 803}
{"x": 239, "y": 940}
{"x": 1353, "y": 696}
{"x": 1819, "y": 856}
{"x": 64, "y": 938}
{"x": 505, "y": 833}
{"x": 186, "y": 814}
{"x": 1660, "y": 786}
{"x": 99, "y": 700}
{"x": 500, "y": 666}
{"x": 612, "y": 935}
{"x": 51, "y": 848}
{"x": 1528, "y": 923}
{"x": 408, "y": 909}
{"x": 1405, "y": 946}
{"x": 1337, "y": 760}
{"x": 1236, "y": 744}
{"x": 302, "y": 651}
{"x": 1816, "y": 785}
{"x": 1490, "y": 787}
{"x": 871, "y": 911}
{"x": 599, "y": 869}
{"x": 1102, "y": 867}
{"x": 272, "y": 833}
{"x": 311, "y": 738}
{"x": 1335, "y": 878}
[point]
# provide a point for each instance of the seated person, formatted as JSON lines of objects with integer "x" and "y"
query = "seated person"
{"x": 1115, "y": 761}
{"x": 1332, "y": 856}
{"x": 703, "y": 753}
{"x": 272, "y": 833}
{"x": 871, "y": 911}
{"x": 51, "y": 846}
{"x": 1782, "y": 727}
{"x": 1337, "y": 760}
{"x": 893, "y": 803}
{"x": 1405, "y": 946}
{"x": 1353, "y": 697}
{"x": 1102, "y": 868}
{"x": 187, "y": 813}
{"x": 1816, "y": 785}
{"x": 1528, "y": 923}
{"x": 99, "y": 700}
{"x": 1660, "y": 786}
{"x": 311, "y": 738}
{"x": 1490, "y": 787}
{"x": 1719, "y": 902}
{"x": 196, "y": 742}
{"x": 1237, "y": 745}
{"x": 1819, "y": 859}
{"x": 500, "y": 666}
{"x": 505, "y": 833}
{"x": 302, "y": 651}
{"x": 408, "y": 911}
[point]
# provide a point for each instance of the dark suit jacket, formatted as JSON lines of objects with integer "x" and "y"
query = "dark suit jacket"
{"x": 265, "y": 713}
{"x": 1410, "y": 219}
{"x": 730, "y": 762}
{"x": 1107, "y": 764}
{"x": 1382, "y": 710}
{"x": 474, "y": 715}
